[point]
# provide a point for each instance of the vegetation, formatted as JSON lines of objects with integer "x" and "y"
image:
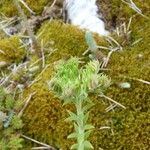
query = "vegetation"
{"x": 11, "y": 50}
{"x": 44, "y": 116}
{"x": 10, "y": 123}
{"x": 73, "y": 86}
{"x": 8, "y": 8}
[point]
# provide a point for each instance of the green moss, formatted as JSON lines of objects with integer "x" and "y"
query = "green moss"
{"x": 2, "y": 35}
{"x": 65, "y": 39}
{"x": 116, "y": 12}
{"x": 11, "y": 51}
{"x": 45, "y": 115}
{"x": 10, "y": 123}
{"x": 8, "y": 8}
{"x": 38, "y": 5}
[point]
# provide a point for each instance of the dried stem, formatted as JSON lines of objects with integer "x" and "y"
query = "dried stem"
{"x": 26, "y": 104}
{"x": 35, "y": 44}
{"x": 113, "y": 101}
{"x": 40, "y": 143}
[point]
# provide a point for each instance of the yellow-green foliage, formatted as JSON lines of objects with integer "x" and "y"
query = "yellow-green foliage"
{"x": 68, "y": 41}
{"x": 8, "y": 8}
{"x": 2, "y": 35}
{"x": 116, "y": 12}
{"x": 10, "y": 123}
{"x": 45, "y": 115}
{"x": 10, "y": 50}
{"x": 37, "y": 5}
{"x": 65, "y": 39}
{"x": 130, "y": 126}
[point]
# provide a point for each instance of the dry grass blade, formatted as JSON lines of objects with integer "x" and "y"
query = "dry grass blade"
{"x": 25, "y": 24}
{"x": 132, "y": 5}
{"x": 29, "y": 9}
{"x": 105, "y": 127}
{"x": 40, "y": 148}
{"x": 110, "y": 99}
{"x": 40, "y": 143}
{"x": 137, "y": 41}
{"x": 111, "y": 107}
{"x": 143, "y": 81}
{"x": 104, "y": 64}
{"x": 26, "y": 104}
{"x": 52, "y": 5}
{"x": 112, "y": 49}
{"x": 6, "y": 23}
{"x": 136, "y": 79}
{"x": 42, "y": 52}
{"x": 112, "y": 40}
{"x": 124, "y": 29}
{"x": 1, "y": 51}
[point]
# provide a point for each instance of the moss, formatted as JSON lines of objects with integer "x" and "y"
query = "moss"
{"x": 2, "y": 35}
{"x": 45, "y": 115}
{"x": 37, "y": 6}
{"x": 11, "y": 51}
{"x": 116, "y": 12}
{"x": 8, "y": 8}
{"x": 65, "y": 39}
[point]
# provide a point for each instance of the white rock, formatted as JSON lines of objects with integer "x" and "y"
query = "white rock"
{"x": 83, "y": 13}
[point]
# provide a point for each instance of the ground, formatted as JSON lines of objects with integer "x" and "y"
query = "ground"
{"x": 44, "y": 116}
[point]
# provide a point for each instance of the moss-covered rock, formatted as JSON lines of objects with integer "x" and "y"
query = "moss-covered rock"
{"x": 116, "y": 12}
{"x": 8, "y": 8}
{"x": 45, "y": 115}
{"x": 11, "y": 50}
{"x": 66, "y": 41}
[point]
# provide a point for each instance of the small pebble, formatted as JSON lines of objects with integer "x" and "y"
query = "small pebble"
{"x": 125, "y": 85}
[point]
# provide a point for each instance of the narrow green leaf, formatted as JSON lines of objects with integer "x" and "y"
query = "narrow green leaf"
{"x": 66, "y": 101}
{"x": 87, "y": 107}
{"x": 72, "y": 117}
{"x": 87, "y": 134}
{"x": 74, "y": 146}
{"x": 88, "y": 145}
{"x": 90, "y": 40}
{"x": 72, "y": 135}
{"x": 76, "y": 127}
{"x": 86, "y": 116}
{"x": 88, "y": 127}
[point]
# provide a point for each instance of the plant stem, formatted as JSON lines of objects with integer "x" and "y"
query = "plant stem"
{"x": 80, "y": 123}
{"x": 35, "y": 45}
